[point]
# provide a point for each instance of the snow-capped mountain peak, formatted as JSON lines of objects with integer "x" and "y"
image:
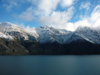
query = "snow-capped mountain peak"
{"x": 13, "y": 30}
{"x": 45, "y": 34}
{"x": 50, "y": 34}
{"x": 9, "y": 27}
{"x": 88, "y": 34}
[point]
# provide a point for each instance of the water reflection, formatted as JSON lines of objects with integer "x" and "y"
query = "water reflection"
{"x": 50, "y": 65}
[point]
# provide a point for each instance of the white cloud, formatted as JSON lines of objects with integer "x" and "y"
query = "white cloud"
{"x": 9, "y": 4}
{"x": 95, "y": 16}
{"x": 28, "y": 15}
{"x": 61, "y": 20}
{"x": 45, "y": 6}
{"x": 44, "y": 9}
{"x": 57, "y": 18}
{"x": 93, "y": 21}
{"x": 66, "y": 3}
{"x": 85, "y": 5}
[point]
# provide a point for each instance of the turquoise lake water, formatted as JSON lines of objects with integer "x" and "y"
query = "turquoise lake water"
{"x": 50, "y": 65}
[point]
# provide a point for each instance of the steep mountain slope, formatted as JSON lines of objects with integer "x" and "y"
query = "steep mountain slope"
{"x": 14, "y": 31}
{"x": 86, "y": 34}
{"x": 89, "y": 34}
{"x": 50, "y": 35}
{"x": 2, "y": 35}
{"x": 48, "y": 40}
{"x": 12, "y": 47}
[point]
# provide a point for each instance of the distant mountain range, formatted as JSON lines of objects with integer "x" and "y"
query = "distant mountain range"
{"x": 15, "y": 40}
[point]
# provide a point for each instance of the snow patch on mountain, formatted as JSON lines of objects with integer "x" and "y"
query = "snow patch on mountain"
{"x": 8, "y": 27}
{"x": 50, "y": 34}
{"x": 5, "y": 36}
{"x": 13, "y": 30}
{"x": 45, "y": 34}
{"x": 89, "y": 34}
{"x": 31, "y": 31}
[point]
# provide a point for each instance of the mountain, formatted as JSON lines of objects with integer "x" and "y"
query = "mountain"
{"x": 50, "y": 35}
{"x": 89, "y": 34}
{"x": 12, "y": 47}
{"x": 14, "y": 31}
{"x": 15, "y": 40}
{"x": 8, "y": 37}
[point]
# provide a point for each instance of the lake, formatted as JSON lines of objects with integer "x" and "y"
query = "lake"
{"x": 50, "y": 65}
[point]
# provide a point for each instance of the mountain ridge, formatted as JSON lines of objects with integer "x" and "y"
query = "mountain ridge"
{"x": 49, "y": 34}
{"x": 47, "y": 40}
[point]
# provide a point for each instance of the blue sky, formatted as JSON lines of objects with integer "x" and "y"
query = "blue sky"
{"x": 63, "y": 14}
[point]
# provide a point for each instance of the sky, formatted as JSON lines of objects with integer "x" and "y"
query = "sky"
{"x": 61, "y": 14}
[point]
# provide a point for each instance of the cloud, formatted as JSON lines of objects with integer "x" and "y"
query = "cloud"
{"x": 45, "y": 9}
{"x": 47, "y": 14}
{"x": 58, "y": 18}
{"x": 27, "y": 15}
{"x": 92, "y": 21}
{"x": 9, "y": 4}
{"x": 95, "y": 16}
{"x": 61, "y": 20}
{"x": 66, "y": 3}
{"x": 85, "y": 5}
